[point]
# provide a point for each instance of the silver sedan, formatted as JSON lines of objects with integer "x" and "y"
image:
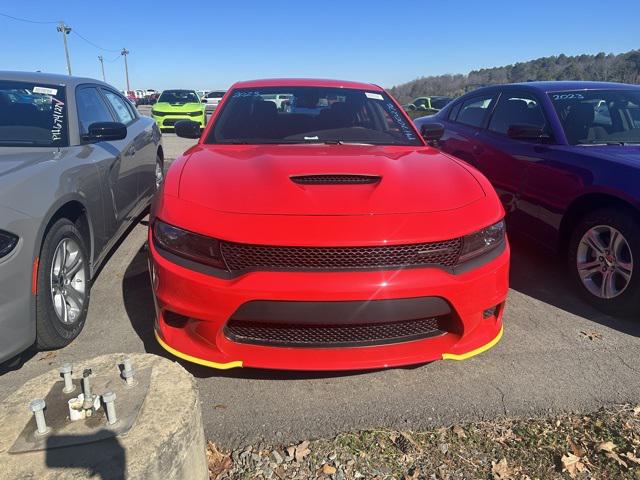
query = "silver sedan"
{"x": 78, "y": 166}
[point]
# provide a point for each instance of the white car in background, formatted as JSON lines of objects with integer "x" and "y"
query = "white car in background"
{"x": 212, "y": 99}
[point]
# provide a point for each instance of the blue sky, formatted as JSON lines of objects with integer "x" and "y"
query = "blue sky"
{"x": 211, "y": 44}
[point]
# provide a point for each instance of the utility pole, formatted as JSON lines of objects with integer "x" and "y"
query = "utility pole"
{"x": 65, "y": 30}
{"x": 102, "y": 65}
{"x": 124, "y": 53}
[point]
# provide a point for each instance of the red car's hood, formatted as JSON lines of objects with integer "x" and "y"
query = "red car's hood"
{"x": 257, "y": 180}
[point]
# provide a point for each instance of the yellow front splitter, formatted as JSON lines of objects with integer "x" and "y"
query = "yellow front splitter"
{"x": 473, "y": 353}
{"x": 199, "y": 361}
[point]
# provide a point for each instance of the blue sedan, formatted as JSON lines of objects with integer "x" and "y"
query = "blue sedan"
{"x": 565, "y": 159}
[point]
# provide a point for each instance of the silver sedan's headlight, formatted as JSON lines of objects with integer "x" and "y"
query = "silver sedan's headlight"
{"x": 8, "y": 242}
{"x": 482, "y": 241}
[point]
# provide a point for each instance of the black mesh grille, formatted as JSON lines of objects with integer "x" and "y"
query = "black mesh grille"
{"x": 242, "y": 257}
{"x": 335, "y": 179}
{"x": 331, "y": 335}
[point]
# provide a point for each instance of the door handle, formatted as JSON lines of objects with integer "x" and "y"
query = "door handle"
{"x": 477, "y": 149}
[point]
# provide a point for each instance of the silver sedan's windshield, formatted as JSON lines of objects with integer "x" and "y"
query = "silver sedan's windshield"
{"x": 32, "y": 115}
{"x": 276, "y": 115}
{"x": 593, "y": 117}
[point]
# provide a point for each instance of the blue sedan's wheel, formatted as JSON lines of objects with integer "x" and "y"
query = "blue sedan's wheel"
{"x": 604, "y": 249}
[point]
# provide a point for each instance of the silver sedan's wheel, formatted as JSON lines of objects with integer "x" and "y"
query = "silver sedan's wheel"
{"x": 159, "y": 173}
{"x": 68, "y": 282}
{"x": 604, "y": 261}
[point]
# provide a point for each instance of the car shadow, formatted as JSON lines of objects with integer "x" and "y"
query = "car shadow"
{"x": 138, "y": 302}
{"x": 543, "y": 275}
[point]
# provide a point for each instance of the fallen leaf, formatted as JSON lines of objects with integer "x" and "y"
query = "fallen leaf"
{"x": 501, "y": 470}
{"x": 328, "y": 469}
{"x": 218, "y": 462}
{"x": 636, "y": 410}
{"x": 302, "y": 451}
{"x": 606, "y": 447}
{"x": 47, "y": 355}
{"x": 592, "y": 335}
{"x": 575, "y": 449}
{"x": 459, "y": 431}
{"x": 572, "y": 464}
{"x": 291, "y": 451}
{"x": 632, "y": 457}
{"x": 415, "y": 475}
{"x": 614, "y": 456}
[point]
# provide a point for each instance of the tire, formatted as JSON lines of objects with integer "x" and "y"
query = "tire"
{"x": 52, "y": 331}
{"x": 159, "y": 172}
{"x": 612, "y": 248}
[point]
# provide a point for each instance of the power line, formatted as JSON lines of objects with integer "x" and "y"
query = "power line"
{"x": 93, "y": 44}
{"x": 23, "y": 19}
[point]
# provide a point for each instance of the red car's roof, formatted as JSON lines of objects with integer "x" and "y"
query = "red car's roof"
{"x": 304, "y": 82}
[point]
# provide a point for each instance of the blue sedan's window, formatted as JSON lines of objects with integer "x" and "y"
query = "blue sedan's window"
{"x": 592, "y": 117}
{"x": 32, "y": 115}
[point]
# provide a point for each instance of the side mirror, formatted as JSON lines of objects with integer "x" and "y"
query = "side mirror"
{"x": 187, "y": 129}
{"x": 527, "y": 132}
{"x": 432, "y": 132}
{"x": 106, "y": 132}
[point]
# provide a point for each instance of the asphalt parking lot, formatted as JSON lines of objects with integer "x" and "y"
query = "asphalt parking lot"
{"x": 557, "y": 354}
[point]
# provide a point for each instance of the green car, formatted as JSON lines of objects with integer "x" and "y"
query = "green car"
{"x": 174, "y": 105}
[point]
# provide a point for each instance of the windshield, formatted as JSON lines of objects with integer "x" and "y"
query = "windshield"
{"x": 311, "y": 115}
{"x": 179, "y": 97}
{"x": 215, "y": 95}
{"x": 440, "y": 102}
{"x": 591, "y": 117}
{"x": 32, "y": 115}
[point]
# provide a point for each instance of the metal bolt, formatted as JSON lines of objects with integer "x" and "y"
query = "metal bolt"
{"x": 66, "y": 370}
{"x": 128, "y": 372}
{"x": 86, "y": 382}
{"x": 37, "y": 407}
{"x": 86, "y": 389}
{"x": 109, "y": 399}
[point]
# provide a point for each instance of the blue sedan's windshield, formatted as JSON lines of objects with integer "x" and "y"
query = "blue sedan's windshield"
{"x": 591, "y": 117}
{"x": 32, "y": 115}
{"x": 276, "y": 115}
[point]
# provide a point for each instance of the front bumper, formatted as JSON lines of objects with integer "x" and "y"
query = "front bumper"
{"x": 17, "y": 328}
{"x": 168, "y": 121}
{"x": 207, "y": 302}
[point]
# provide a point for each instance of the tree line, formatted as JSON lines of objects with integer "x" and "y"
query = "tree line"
{"x": 624, "y": 67}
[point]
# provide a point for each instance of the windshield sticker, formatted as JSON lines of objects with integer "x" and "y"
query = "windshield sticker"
{"x": 241, "y": 94}
{"x": 567, "y": 96}
{"x": 58, "y": 119}
{"x": 407, "y": 131}
{"x": 374, "y": 96}
{"x": 45, "y": 90}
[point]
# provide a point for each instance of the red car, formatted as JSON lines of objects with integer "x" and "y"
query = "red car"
{"x": 323, "y": 236}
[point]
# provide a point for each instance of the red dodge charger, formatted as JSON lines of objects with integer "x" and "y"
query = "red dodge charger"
{"x": 313, "y": 228}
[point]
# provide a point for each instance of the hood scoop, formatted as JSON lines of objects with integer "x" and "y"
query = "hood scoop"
{"x": 335, "y": 179}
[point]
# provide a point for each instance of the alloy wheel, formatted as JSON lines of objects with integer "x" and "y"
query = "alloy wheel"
{"x": 159, "y": 174}
{"x": 68, "y": 283}
{"x": 604, "y": 261}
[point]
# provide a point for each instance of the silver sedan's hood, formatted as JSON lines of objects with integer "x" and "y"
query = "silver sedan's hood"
{"x": 16, "y": 158}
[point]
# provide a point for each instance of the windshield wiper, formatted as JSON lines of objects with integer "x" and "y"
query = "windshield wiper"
{"x": 607, "y": 143}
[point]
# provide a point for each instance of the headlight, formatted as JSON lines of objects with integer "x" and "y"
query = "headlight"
{"x": 157, "y": 113}
{"x": 482, "y": 241}
{"x": 8, "y": 242}
{"x": 195, "y": 114}
{"x": 189, "y": 245}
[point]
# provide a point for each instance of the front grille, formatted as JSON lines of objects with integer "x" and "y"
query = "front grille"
{"x": 336, "y": 179}
{"x": 244, "y": 257}
{"x": 331, "y": 335}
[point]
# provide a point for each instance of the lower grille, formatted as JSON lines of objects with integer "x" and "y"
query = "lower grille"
{"x": 328, "y": 336}
{"x": 245, "y": 257}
